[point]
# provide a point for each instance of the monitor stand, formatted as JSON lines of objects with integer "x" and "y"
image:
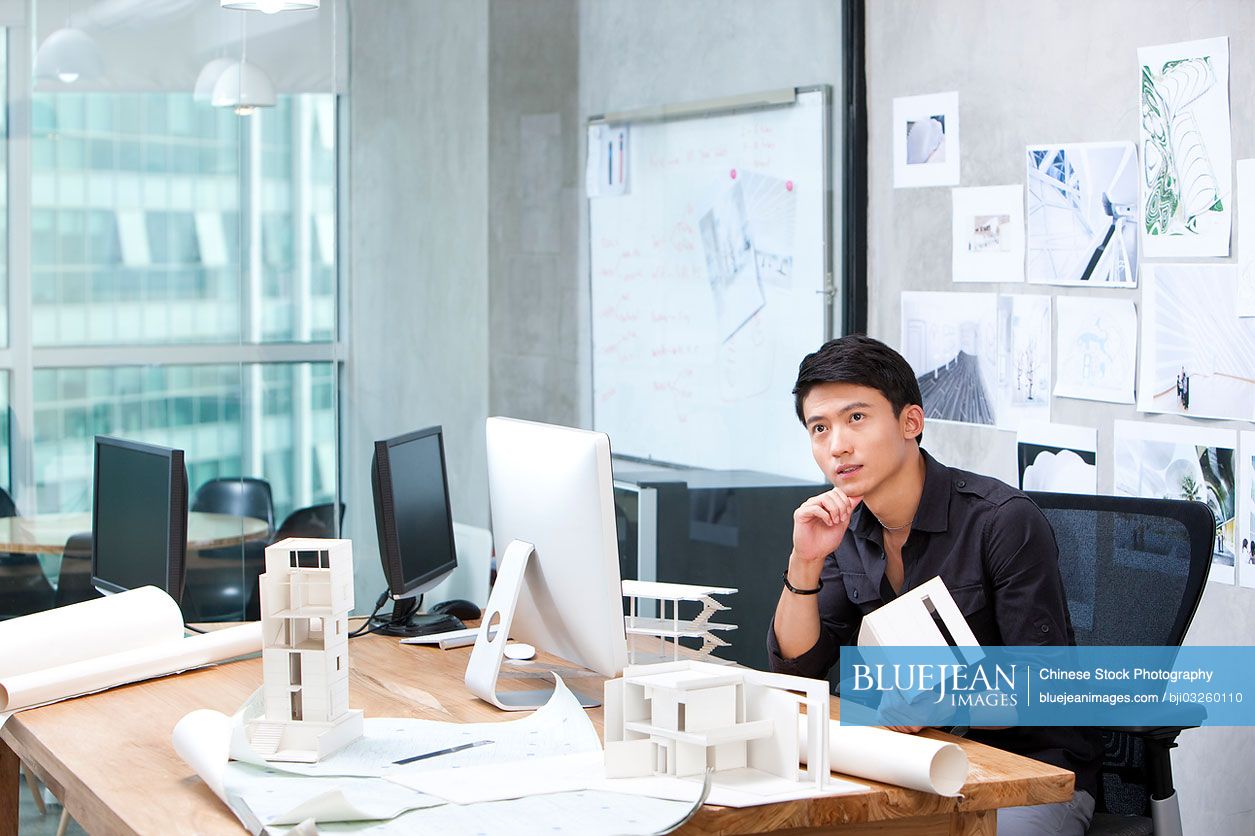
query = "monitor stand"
{"x": 406, "y": 622}
{"x": 485, "y": 663}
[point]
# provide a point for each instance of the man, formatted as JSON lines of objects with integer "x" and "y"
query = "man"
{"x": 896, "y": 518}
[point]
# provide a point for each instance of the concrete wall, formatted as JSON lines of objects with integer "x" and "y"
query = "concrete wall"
{"x": 1062, "y": 71}
{"x": 655, "y": 52}
{"x": 417, "y": 260}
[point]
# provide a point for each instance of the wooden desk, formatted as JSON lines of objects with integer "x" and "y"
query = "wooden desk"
{"x": 47, "y": 533}
{"x": 109, "y": 758}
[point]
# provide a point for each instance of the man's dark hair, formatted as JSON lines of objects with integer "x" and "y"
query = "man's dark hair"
{"x": 863, "y": 361}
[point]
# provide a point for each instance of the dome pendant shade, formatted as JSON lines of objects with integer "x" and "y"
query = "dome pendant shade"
{"x": 67, "y": 55}
{"x": 270, "y": 6}
{"x": 243, "y": 87}
{"x": 203, "y": 92}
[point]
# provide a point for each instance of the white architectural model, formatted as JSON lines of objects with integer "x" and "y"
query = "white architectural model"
{"x": 306, "y": 596}
{"x": 640, "y": 620}
{"x": 682, "y": 718}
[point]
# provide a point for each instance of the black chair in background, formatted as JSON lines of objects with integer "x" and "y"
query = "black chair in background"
{"x": 221, "y": 584}
{"x": 1133, "y": 570}
{"x": 24, "y": 588}
{"x": 75, "y": 582}
{"x": 314, "y": 521}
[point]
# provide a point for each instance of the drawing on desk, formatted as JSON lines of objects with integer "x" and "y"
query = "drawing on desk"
{"x": 987, "y": 234}
{"x": 1082, "y": 214}
{"x": 1174, "y": 461}
{"x": 1060, "y": 458}
{"x": 1097, "y": 341}
{"x": 1246, "y": 509}
{"x": 1024, "y": 359}
{"x": 1198, "y": 359}
{"x": 950, "y": 340}
{"x": 1186, "y": 148}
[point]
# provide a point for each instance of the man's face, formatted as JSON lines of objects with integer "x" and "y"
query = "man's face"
{"x": 856, "y": 439}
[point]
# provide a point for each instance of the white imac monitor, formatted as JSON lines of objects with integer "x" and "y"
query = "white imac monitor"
{"x": 551, "y": 491}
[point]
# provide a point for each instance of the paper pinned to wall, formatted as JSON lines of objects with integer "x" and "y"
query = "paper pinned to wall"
{"x": 606, "y": 172}
{"x": 1246, "y": 238}
{"x": 1183, "y": 461}
{"x": 1023, "y": 381}
{"x": 1187, "y": 157}
{"x": 1246, "y": 509}
{"x": 987, "y": 234}
{"x": 1060, "y": 458}
{"x": 1198, "y": 358}
{"x": 951, "y": 340}
{"x": 926, "y": 140}
{"x": 1082, "y": 214}
{"x": 1097, "y": 355}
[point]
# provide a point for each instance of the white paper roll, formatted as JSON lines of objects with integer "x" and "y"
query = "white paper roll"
{"x": 113, "y": 624}
{"x": 109, "y": 671}
{"x": 906, "y": 760}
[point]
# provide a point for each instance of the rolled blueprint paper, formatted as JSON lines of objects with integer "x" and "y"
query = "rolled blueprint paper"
{"x": 906, "y": 760}
{"x": 90, "y": 675}
{"x": 113, "y": 624}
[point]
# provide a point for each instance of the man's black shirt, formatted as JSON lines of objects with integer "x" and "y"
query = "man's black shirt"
{"x": 996, "y": 553}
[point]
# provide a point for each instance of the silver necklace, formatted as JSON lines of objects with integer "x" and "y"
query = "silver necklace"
{"x": 892, "y": 529}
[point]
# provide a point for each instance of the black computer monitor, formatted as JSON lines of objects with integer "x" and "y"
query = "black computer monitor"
{"x": 139, "y": 517}
{"x": 415, "y": 526}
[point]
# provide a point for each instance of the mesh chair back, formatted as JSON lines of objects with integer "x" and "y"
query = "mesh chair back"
{"x": 240, "y": 497}
{"x": 1133, "y": 568}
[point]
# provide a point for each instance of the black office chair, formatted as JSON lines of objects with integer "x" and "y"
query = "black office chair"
{"x": 221, "y": 584}
{"x": 1133, "y": 571}
{"x": 24, "y": 589}
{"x": 75, "y": 582}
{"x": 315, "y": 521}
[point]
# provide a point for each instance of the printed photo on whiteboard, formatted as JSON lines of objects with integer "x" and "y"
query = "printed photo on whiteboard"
{"x": 1097, "y": 356}
{"x": 1246, "y": 509}
{"x": 1060, "y": 458}
{"x": 1187, "y": 152}
{"x": 1198, "y": 357}
{"x": 606, "y": 172}
{"x": 987, "y": 234}
{"x": 771, "y": 206}
{"x": 1024, "y": 359}
{"x": 1175, "y": 461}
{"x": 1246, "y": 240}
{"x": 926, "y": 140}
{"x": 950, "y": 340}
{"x": 731, "y": 267}
{"x": 1082, "y": 214}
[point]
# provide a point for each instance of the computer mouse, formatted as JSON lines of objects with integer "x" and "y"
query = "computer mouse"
{"x": 458, "y": 607}
{"x": 519, "y": 651}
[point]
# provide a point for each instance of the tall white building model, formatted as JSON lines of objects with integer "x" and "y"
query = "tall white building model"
{"x": 306, "y": 596}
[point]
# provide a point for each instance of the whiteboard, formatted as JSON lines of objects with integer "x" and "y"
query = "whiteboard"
{"x": 708, "y": 279}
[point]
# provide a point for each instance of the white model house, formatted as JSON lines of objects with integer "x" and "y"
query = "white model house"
{"x": 306, "y": 596}
{"x": 682, "y": 718}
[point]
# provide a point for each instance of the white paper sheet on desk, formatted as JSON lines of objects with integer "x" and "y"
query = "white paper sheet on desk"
{"x": 581, "y": 813}
{"x": 907, "y": 760}
{"x": 570, "y": 773}
{"x": 558, "y": 727}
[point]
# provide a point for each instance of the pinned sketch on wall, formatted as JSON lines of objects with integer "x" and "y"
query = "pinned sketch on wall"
{"x": 950, "y": 340}
{"x": 1246, "y": 509}
{"x": 1082, "y": 214}
{"x": 1246, "y": 238}
{"x": 1186, "y": 148}
{"x": 1062, "y": 458}
{"x": 1174, "y": 461}
{"x": 988, "y": 234}
{"x": 1097, "y": 341}
{"x": 1198, "y": 358}
{"x": 926, "y": 140}
{"x": 747, "y": 241}
{"x": 1024, "y": 359}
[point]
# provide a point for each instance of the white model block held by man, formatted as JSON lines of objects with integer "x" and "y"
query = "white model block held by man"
{"x": 306, "y": 596}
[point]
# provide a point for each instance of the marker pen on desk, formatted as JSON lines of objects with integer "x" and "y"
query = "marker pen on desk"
{"x": 440, "y": 752}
